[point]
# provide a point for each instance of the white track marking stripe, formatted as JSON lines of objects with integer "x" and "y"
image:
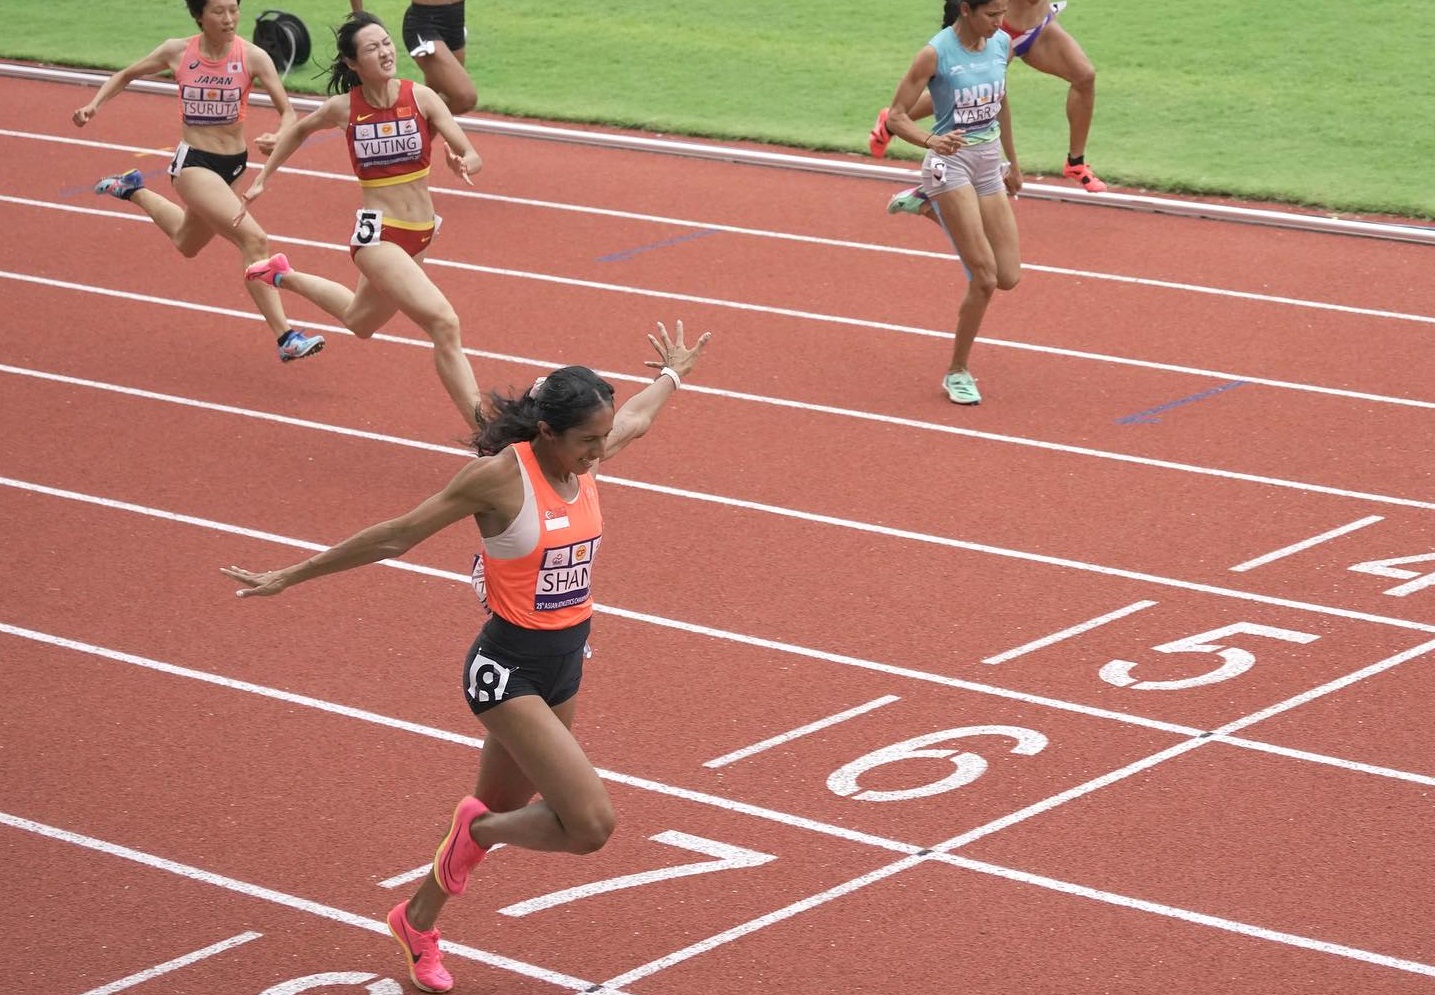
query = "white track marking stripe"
{"x": 1320, "y": 758}
{"x": 1197, "y": 918}
{"x": 619, "y": 612}
{"x": 472, "y": 742}
{"x": 1064, "y": 634}
{"x": 781, "y": 236}
{"x": 1055, "y": 561}
{"x": 800, "y": 731}
{"x": 1305, "y": 544}
{"x": 140, "y": 977}
{"x": 1330, "y": 687}
{"x": 280, "y": 898}
{"x": 753, "y": 925}
{"x": 692, "y": 388}
{"x": 810, "y": 315}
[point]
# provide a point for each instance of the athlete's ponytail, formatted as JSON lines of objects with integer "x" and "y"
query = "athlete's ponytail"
{"x": 342, "y": 76}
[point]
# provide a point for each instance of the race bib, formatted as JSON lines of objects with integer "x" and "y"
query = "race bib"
{"x": 368, "y": 227}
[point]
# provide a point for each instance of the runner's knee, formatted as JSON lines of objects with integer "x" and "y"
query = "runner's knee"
{"x": 254, "y": 245}
{"x": 588, "y": 831}
{"x": 444, "y": 330}
{"x": 461, "y": 99}
{"x": 983, "y": 280}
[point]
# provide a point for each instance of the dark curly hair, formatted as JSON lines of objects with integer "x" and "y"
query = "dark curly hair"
{"x": 566, "y": 398}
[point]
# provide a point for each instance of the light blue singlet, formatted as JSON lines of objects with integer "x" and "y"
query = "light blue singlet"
{"x": 968, "y": 87}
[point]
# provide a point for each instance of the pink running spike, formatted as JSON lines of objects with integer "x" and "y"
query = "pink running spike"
{"x": 420, "y": 951}
{"x": 458, "y": 853}
{"x": 879, "y": 137}
{"x": 270, "y": 270}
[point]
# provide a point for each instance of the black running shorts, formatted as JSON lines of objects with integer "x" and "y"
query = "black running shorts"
{"x": 508, "y": 661}
{"x": 435, "y": 22}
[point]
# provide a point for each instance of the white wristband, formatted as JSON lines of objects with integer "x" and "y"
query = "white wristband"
{"x": 672, "y": 374}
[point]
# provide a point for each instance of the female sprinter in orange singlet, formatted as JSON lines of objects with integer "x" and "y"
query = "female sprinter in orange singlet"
{"x": 533, "y": 495}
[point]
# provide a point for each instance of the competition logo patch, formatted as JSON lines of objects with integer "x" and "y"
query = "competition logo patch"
{"x": 383, "y": 143}
{"x": 565, "y": 576}
{"x": 210, "y": 104}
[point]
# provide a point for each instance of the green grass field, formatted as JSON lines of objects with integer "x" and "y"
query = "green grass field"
{"x": 1318, "y": 103}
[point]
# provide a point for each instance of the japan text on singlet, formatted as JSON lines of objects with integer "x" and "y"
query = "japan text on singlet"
{"x": 216, "y": 92}
{"x": 539, "y": 571}
{"x": 388, "y": 145}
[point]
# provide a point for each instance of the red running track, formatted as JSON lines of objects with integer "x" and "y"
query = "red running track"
{"x": 812, "y": 532}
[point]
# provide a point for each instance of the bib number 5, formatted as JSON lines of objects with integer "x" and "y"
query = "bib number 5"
{"x": 368, "y": 224}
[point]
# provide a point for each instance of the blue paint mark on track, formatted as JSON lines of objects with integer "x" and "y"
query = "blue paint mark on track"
{"x": 1150, "y": 415}
{"x": 618, "y": 257}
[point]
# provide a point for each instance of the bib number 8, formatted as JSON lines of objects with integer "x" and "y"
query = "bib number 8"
{"x": 368, "y": 225}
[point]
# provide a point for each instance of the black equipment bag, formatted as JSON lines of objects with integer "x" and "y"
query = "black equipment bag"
{"x": 284, "y": 37}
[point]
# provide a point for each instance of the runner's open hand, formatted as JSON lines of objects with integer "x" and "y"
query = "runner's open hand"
{"x": 250, "y": 196}
{"x": 676, "y": 354}
{"x": 464, "y": 165}
{"x": 257, "y": 585}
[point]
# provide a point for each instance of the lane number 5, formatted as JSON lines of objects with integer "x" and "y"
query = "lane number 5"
{"x": 1237, "y": 661}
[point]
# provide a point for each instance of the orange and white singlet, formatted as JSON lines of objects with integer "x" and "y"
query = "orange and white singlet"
{"x": 388, "y": 145}
{"x": 538, "y": 572}
{"x": 212, "y": 93}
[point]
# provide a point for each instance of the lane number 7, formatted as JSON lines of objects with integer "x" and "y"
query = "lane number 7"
{"x": 724, "y": 856}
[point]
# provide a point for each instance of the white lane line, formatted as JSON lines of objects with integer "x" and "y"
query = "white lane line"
{"x": 1070, "y": 794}
{"x": 1305, "y": 544}
{"x": 628, "y": 614}
{"x": 1014, "y": 554}
{"x": 1185, "y": 915}
{"x": 158, "y": 970}
{"x": 691, "y": 388}
{"x": 1222, "y": 734}
{"x": 407, "y": 876}
{"x": 1320, "y": 758}
{"x": 813, "y": 316}
{"x": 799, "y": 732}
{"x": 1328, "y": 688}
{"x": 761, "y": 922}
{"x": 471, "y": 742}
{"x": 914, "y": 854}
{"x": 764, "y": 233}
{"x": 280, "y": 898}
{"x": 1075, "y": 630}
